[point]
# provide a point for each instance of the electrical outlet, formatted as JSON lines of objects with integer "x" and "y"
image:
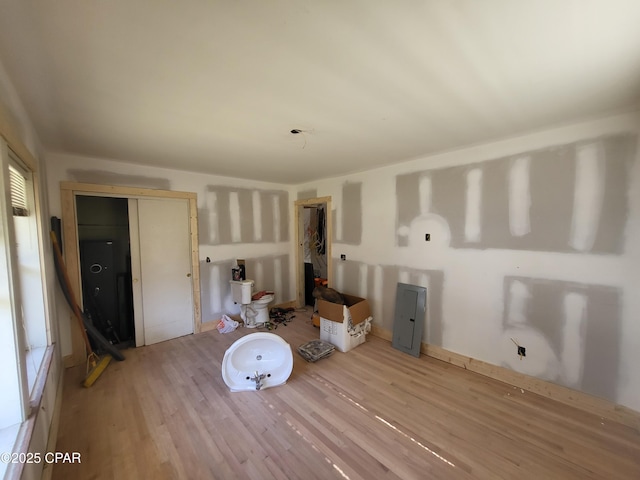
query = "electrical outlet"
{"x": 522, "y": 351}
{"x": 343, "y": 257}
{"x": 427, "y": 237}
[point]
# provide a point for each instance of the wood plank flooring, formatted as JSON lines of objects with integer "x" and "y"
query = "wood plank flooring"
{"x": 371, "y": 413}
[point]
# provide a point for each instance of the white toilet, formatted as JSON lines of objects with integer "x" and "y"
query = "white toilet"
{"x": 254, "y": 313}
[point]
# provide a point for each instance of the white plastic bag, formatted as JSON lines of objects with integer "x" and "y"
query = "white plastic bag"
{"x": 227, "y": 325}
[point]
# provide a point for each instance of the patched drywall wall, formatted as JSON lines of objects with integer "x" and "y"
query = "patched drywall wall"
{"x": 351, "y": 231}
{"x": 347, "y": 220}
{"x": 565, "y": 198}
{"x": 574, "y": 329}
{"x": 534, "y": 240}
{"x": 242, "y": 215}
{"x": 237, "y": 219}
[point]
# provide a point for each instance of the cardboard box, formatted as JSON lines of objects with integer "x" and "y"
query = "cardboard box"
{"x": 356, "y": 308}
{"x": 342, "y": 325}
{"x": 340, "y": 335}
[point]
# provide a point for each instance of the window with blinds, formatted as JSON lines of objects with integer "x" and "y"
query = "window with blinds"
{"x": 18, "y": 192}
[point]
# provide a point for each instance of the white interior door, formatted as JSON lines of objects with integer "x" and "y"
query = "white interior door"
{"x": 163, "y": 284}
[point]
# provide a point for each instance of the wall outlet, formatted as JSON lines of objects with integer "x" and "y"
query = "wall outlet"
{"x": 343, "y": 257}
{"x": 427, "y": 237}
{"x": 522, "y": 351}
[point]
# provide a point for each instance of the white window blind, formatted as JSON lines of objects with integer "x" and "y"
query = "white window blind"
{"x": 18, "y": 192}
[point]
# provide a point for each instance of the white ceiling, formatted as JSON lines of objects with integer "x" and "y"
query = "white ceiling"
{"x": 216, "y": 86}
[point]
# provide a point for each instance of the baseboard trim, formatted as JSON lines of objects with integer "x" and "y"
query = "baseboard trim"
{"x": 597, "y": 406}
{"x": 208, "y": 326}
{"x": 68, "y": 361}
{"x": 381, "y": 333}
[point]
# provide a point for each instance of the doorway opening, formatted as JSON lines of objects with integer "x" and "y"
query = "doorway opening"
{"x": 105, "y": 266}
{"x": 313, "y": 227}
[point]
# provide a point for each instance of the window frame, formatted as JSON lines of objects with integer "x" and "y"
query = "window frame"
{"x": 26, "y": 373}
{"x": 18, "y": 402}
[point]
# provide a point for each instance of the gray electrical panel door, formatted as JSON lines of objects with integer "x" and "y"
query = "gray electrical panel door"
{"x": 408, "y": 324}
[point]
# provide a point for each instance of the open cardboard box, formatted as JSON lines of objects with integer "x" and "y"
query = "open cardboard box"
{"x": 356, "y": 306}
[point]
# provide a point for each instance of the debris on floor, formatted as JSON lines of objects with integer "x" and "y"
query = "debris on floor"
{"x": 315, "y": 350}
{"x": 279, "y": 316}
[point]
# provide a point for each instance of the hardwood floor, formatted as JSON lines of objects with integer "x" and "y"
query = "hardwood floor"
{"x": 371, "y": 413}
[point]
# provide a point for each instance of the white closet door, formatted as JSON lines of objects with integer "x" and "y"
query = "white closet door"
{"x": 165, "y": 269}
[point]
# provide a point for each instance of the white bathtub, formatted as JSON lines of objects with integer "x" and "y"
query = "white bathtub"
{"x": 257, "y": 361}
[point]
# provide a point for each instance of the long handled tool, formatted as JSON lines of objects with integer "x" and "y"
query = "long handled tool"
{"x": 95, "y": 364}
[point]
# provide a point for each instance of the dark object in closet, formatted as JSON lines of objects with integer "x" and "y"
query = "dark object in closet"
{"x": 89, "y": 329}
{"x": 100, "y": 287}
{"x": 107, "y": 294}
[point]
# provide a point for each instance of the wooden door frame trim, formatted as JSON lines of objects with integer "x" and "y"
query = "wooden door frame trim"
{"x": 68, "y": 193}
{"x": 299, "y": 268}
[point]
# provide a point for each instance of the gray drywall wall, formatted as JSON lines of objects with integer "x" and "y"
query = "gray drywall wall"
{"x": 575, "y": 198}
{"x": 532, "y": 246}
{"x": 352, "y": 213}
{"x": 580, "y": 324}
{"x": 234, "y": 215}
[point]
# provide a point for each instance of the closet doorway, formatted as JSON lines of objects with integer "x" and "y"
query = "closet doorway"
{"x": 313, "y": 240}
{"x": 105, "y": 266}
{"x": 150, "y": 324}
